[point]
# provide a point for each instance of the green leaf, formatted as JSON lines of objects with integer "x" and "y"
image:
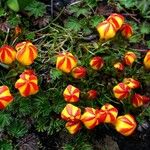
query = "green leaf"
{"x": 2, "y": 12}
{"x": 55, "y": 74}
{"x": 128, "y": 3}
{"x": 5, "y": 145}
{"x": 5, "y": 119}
{"x": 83, "y": 11}
{"x": 145, "y": 28}
{"x": 13, "y": 4}
{"x": 11, "y": 73}
{"x": 95, "y": 20}
{"x": 30, "y": 36}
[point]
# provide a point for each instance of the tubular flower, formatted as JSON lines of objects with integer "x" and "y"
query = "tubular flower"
{"x": 117, "y": 20}
{"x": 131, "y": 83}
{"x": 106, "y": 30}
{"x": 79, "y": 72}
{"x": 7, "y": 54}
{"x": 71, "y": 94}
{"x": 121, "y": 91}
{"x": 125, "y": 124}
{"x": 97, "y": 63}
{"x": 126, "y": 30}
{"x": 73, "y": 127}
{"x": 119, "y": 66}
{"x": 5, "y": 96}
{"x": 92, "y": 94}
{"x": 26, "y": 52}
{"x": 27, "y": 84}
{"x": 147, "y": 60}
{"x": 129, "y": 58}
{"x": 90, "y": 117}
{"x": 108, "y": 113}
{"x": 71, "y": 113}
{"x": 66, "y": 62}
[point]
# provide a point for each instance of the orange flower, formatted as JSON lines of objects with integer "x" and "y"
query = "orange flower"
{"x": 125, "y": 124}
{"x": 121, "y": 91}
{"x": 66, "y": 62}
{"x": 17, "y": 30}
{"x": 73, "y": 127}
{"x": 108, "y": 113}
{"x": 5, "y": 96}
{"x": 71, "y": 94}
{"x": 97, "y": 63}
{"x": 90, "y": 117}
{"x": 126, "y": 30}
{"x": 92, "y": 94}
{"x": 117, "y": 20}
{"x": 7, "y": 54}
{"x": 79, "y": 72}
{"x": 27, "y": 84}
{"x": 26, "y": 53}
{"x": 132, "y": 83}
{"x": 147, "y": 60}
{"x": 71, "y": 113}
{"x": 106, "y": 30}
{"x": 119, "y": 66}
{"x": 129, "y": 58}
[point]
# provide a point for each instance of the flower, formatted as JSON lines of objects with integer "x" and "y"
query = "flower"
{"x": 79, "y": 72}
{"x": 97, "y": 63}
{"x": 119, "y": 66}
{"x": 129, "y": 58}
{"x": 27, "y": 84}
{"x": 132, "y": 83}
{"x": 26, "y": 52}
{"x": 71, "y": 113}
{"x": 92, "y": 94}
{"x": 7, "y": 54}
{"x": 121, "y": 91}
{"x": 71, "y": 94}
{"x": 106, "y": 30}
{"x": 73, "y": 127}
{"x": 147, "y": 60}
{"x": 17, "y": 30}
{"x": 126, "y": 30}
{"x": 108, "y": 113}
{"x": 5, "y": 96}
{"x": 117, "y": 20}
{"x": 66, "y": 62}
{"x": 90, "y": 117}
{"x": 125, "y": 124}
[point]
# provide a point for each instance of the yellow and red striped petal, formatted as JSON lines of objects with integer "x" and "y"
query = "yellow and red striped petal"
{"x": 132, "y": 83}
{"x": 92, "y": 94}
{"x": 117, "y": 20}
{"x": 90, "y": 117}
{"x": 27, "y": 84}
{"x": 129, "y": 58}
{"x": 26, "y": 52}
{"x": 66, "y": 62}
{"x": 119, "y": 66}
{"x": 97, "y": 63}
{"x": 147, "y": 60}
{"x": 71, "y": 94}
{"x": 125, "y": 124}
{"x": 71, "y": 113}
{"x": 7, "y": 54}
{"x": 106, "y": 30}
{"x": 5, "y": 96}
{"x": 108, "y": 113}
{"x": 126, "y": 30}
{"x": 73, "y": 127}
{"x": 121, "y": 91}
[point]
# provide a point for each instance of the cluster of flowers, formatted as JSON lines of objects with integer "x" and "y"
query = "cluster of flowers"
{"x": 115, "y": 22}
{"x": 27, "y": 84}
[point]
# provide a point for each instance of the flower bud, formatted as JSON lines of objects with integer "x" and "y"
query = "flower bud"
{"x": 27, "y": 84}
{"x": 106, "y": 30}
{"x": 108, "y": 113}
{"x": 119, "y": 66}
{"x": 92, "y": 94}
{"x": 26, "y": 53}
{"x": 129, "y": 58}
{"x": 73, "y": 127}
{"x": 17, "y": 30}
{"x": 117, "y": 20}
{"x": 125, "y": 124}
{"x": 90, "y": 117}
{"x": 5, "y": 96}
{"x": 7, "y": 54}
{"x": 66, "y": 62}
{"x": 71, "y": 94}
{"x": 97, "y": 63}
{"x": 79, "y": 72}
{"x": 121, "y": 91}
{"x": 131, "y": 83}
{"x": 71, "y": 113}
{"x": 147, "y": 60}
{"x": 126, "y": 30}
